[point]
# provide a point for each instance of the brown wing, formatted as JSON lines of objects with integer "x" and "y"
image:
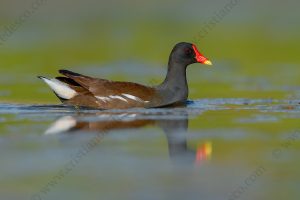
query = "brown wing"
{"x": 109, "y": 94}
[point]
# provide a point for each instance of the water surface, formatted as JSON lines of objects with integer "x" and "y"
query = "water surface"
{"x": 211, "y": 149}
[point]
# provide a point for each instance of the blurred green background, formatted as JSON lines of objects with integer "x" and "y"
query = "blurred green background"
{"x": 254, "y": 47}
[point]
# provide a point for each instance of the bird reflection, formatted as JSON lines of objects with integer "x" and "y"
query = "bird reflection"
{"x": 174, "y": 127}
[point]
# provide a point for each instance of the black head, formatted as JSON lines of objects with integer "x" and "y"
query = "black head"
{"x": 186, "y": 54}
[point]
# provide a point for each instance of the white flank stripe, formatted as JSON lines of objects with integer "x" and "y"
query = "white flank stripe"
{"x": 117, "y": 97}
{"x": 60, "y": 88}
{"x": 129, "y": 96}
{"x": 104, "y": 99}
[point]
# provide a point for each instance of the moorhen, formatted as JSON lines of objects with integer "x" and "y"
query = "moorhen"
{"x": 84, "y": 91}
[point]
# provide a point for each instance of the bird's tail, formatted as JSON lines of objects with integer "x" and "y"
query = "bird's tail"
{"x": 62, "y": 90}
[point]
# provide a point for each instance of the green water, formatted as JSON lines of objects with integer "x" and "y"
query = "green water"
{"x": 238, "y": 137}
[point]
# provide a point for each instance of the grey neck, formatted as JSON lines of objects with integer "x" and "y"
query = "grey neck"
{"x": 174, "y": 88}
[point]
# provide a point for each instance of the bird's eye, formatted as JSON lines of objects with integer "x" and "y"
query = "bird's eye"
{"x": 188, "y": 52}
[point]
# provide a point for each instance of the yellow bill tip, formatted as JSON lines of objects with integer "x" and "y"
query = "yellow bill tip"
{"x": 207, "y": 62}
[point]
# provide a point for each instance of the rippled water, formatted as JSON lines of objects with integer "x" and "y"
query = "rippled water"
{"x": 211, "y": 149}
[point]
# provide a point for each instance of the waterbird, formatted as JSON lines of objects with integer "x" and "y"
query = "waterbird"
{"x": 85, "y": 91}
